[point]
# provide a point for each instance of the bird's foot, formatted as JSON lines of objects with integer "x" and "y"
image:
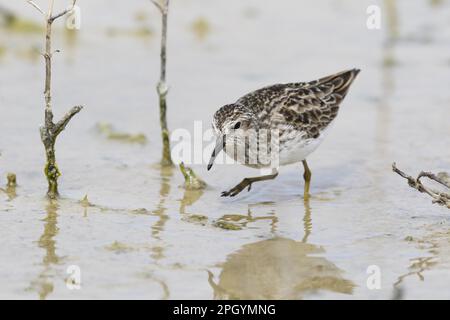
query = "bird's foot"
{"x": 238, "y": 188}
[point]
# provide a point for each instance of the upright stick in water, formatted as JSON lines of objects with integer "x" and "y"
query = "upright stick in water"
{"x": 162, "y": 88}
{"x": 50, "y": 130}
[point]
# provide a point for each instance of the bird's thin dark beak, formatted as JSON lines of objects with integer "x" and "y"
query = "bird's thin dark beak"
{"x": 219, "y": 147}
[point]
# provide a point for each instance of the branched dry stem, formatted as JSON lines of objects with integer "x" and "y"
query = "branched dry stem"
{"x": 159, "y": 6}
{"x": 63, "y": 13}
{"x": 162, "y": 87}
{"x": 50, "y": 130}
{"x": 438, "y": 197}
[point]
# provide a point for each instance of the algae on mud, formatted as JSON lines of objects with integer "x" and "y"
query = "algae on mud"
{"x": 13, "y": 23}
{"x": 11, "y": 186}
{"x": 110, "y": 133}
{"x": 191, "y": 180}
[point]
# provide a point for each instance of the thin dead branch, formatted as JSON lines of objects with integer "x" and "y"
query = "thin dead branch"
{"x": 63, "y": 13}
{"x": 162, "y": 87}
{"x": 50, "y": 130}
{"x": 36, "y": 7}
{"x": 159, "y": 6}
{"x": 440, "y": 198}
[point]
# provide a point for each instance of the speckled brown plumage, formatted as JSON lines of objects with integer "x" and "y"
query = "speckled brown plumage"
{"x": 307, "y": 106}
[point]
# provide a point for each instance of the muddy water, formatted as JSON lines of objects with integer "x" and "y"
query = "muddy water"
{"x": 140, "y": 235}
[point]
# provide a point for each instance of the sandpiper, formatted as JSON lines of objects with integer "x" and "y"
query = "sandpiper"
{"x": 299, "y": 113}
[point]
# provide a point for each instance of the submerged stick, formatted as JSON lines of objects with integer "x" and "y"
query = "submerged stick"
{"x": 440, "y": 198}
{"x": 191, "y": 181}
{"x": 11, "y": 180}
{"x": 162, "y": 87}
{"x": 50, "y": 130}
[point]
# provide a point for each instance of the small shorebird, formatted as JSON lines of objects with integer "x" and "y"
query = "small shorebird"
{"x": 299, "y": 114}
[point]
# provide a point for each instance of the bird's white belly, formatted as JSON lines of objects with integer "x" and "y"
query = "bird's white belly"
{"x": 298, "y": 148}
{"x": 295, "y": 151}
{"x": 292, "y": 147}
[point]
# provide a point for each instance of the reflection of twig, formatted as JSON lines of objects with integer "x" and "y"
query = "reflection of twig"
{"x": 47, "y": 241}
{"x": 438, "y": 197}
{"x": 160, "y": 211}
{"x": 158, "y": 226}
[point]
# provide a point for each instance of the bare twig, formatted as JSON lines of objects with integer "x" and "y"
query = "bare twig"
{"x": 162, "y": 87}
{"x": 50, "y": 130}
{"x": 438, "y": 178}
{"x": 158, "y": 5}
{"x": 61, "y": 124}
{"x": 36, "y": 7}
{"x": 63, "y": 13}
{"x": 50, "y": 10}
{"x": 438, "y": 197}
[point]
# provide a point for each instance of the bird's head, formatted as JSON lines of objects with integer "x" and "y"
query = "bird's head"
{"x": 232, "y": 117}
{"x": 232, "y": 124}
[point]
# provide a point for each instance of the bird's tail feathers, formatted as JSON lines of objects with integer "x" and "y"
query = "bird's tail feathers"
{"x": 341, "y": 81}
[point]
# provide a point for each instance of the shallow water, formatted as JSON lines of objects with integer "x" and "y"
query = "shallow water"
{"x": 141, "y": 235}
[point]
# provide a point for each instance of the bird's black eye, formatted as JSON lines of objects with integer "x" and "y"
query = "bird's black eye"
{"x": 237, "y": 125}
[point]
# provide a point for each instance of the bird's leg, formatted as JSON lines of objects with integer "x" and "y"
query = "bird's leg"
{"x": 307, "y": 177}
{"x": 247, "y": 182}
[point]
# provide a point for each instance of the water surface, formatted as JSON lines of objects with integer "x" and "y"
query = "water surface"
{"x": 141, "y": 235}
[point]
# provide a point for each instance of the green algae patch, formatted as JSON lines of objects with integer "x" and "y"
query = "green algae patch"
{"x": 140, "y": 32}
{"x": 141, "y": 211}
{"x": 232, "y": 222}
{"x": 119, "y": 247}
{"x": 20, "y": 25}
{"x": 196, "y": 218}
{"x": 227, "y": 225}
{"x": 191, "y": 181}
{"x": 234, "y": 217}
{"x": 201, "y": 28}
{"x": 110, "y": 133}
{"x": 239, "y": 221}
{"x": 141, "y": 16}
{"x": 11, "y": 185}
{"x": 11, "y": 180}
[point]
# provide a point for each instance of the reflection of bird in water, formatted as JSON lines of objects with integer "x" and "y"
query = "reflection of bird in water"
{"x": 278, "y": 268}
